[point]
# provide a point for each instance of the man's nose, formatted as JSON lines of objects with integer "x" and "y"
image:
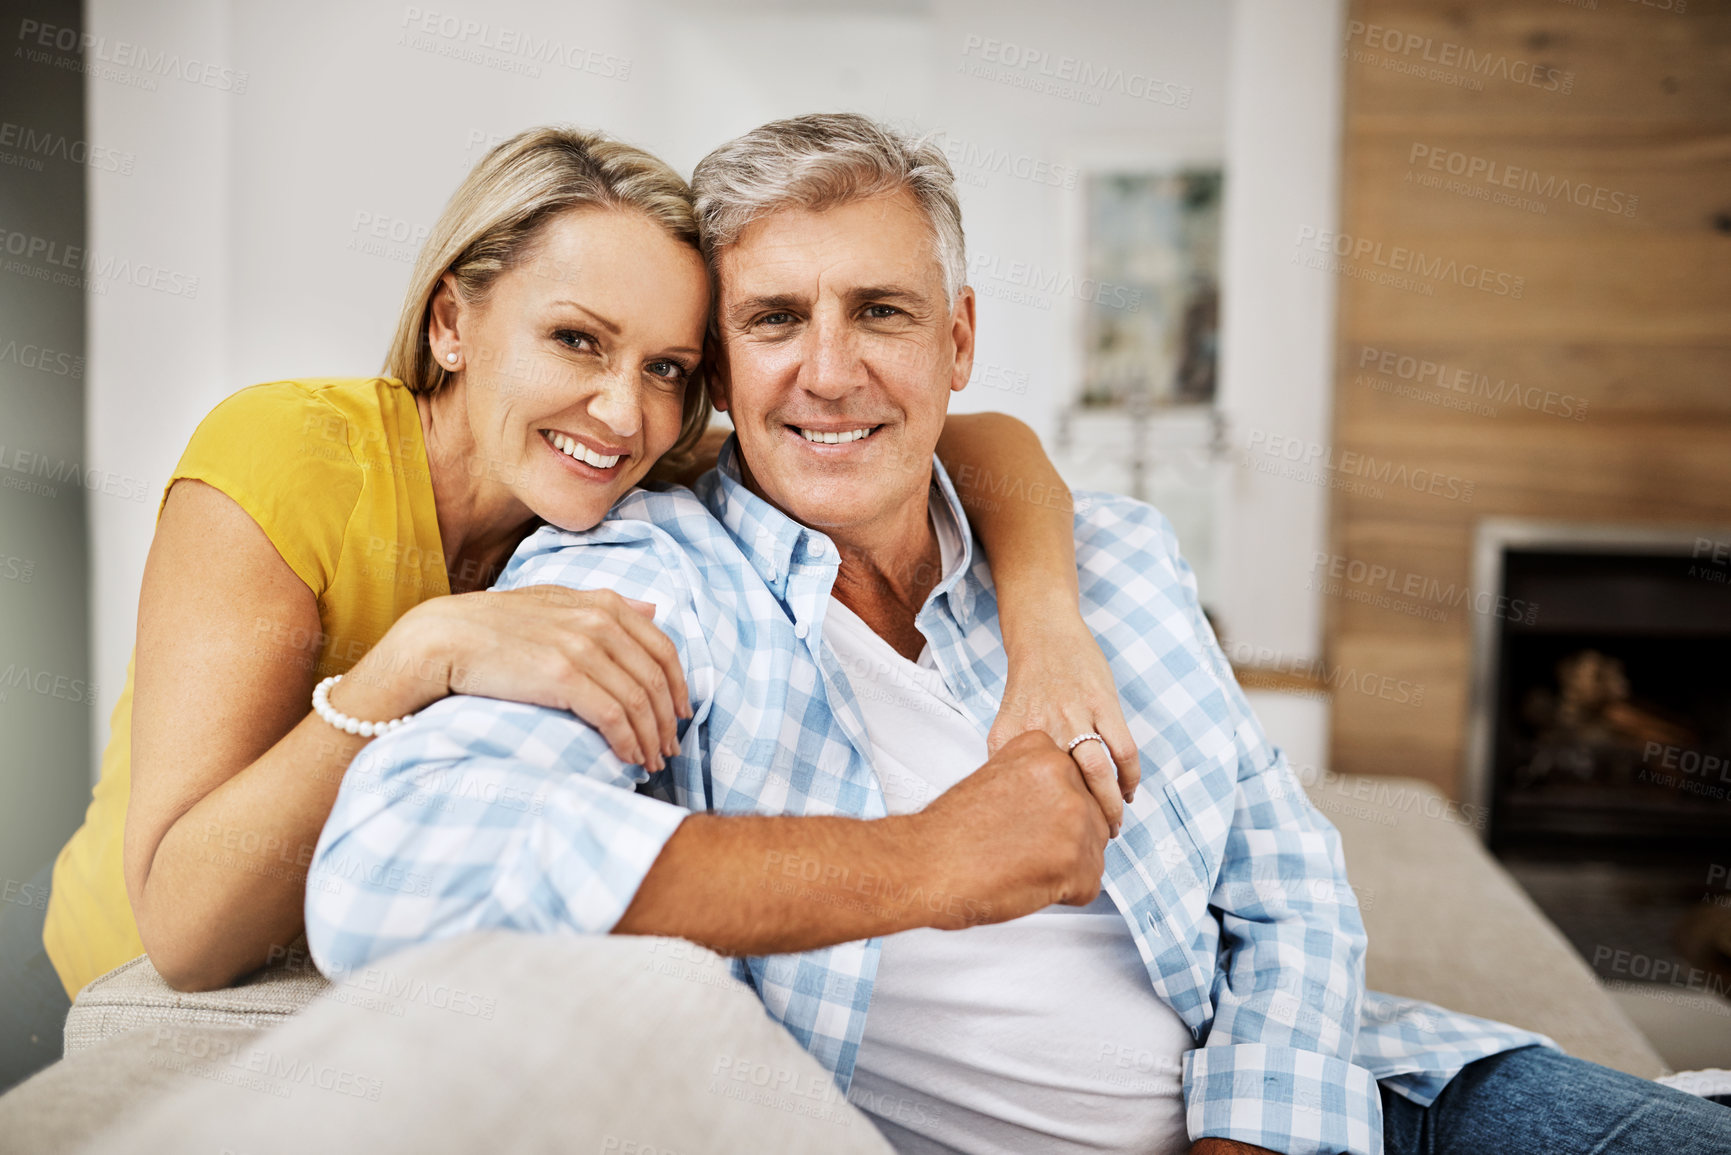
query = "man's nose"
{"x": 833, "y": 364}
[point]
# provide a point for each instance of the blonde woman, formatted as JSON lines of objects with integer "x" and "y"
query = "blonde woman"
{"x": 547, "y": 357}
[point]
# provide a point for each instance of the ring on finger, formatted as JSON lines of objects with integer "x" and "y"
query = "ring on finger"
{"x": 1090, "y": 736}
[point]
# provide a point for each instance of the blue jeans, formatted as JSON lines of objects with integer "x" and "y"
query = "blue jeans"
{"x": 1536, "y": 1100}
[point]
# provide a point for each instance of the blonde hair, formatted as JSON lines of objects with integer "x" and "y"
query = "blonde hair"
{"x": 495, "y": 218}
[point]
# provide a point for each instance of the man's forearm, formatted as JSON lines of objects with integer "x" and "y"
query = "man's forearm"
{"x": 753, "y": 885}
{"x": 1226, "y": 1147}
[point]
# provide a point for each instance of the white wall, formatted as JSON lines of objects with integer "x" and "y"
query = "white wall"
{"x": 344, "y": 120}
{"x": 1277, "y": 322}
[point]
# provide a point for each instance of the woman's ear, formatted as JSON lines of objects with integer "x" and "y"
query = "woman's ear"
{"x": 442, "y": 324}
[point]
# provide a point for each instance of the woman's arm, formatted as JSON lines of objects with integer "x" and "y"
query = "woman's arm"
{"x": 1059, "y": 680}
{"x": 233, "y": 777}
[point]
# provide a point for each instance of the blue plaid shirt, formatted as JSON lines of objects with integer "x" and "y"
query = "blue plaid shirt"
{"x": 483, "y": 813}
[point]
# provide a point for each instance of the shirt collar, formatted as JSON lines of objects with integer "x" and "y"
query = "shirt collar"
{"x": 771, "y": 540}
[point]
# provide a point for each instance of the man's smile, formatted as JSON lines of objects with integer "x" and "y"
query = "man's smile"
{"x": 835, "y": 436}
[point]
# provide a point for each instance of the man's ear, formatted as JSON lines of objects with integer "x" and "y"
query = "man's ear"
{"x": 962, "y": 334}
{"x": 718, "y": 377}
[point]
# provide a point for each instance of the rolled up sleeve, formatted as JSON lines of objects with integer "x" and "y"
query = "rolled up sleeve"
{"x": 487, "y": 814}
{"x": 1276, "y": 1069}
{"x": 481, "y": 814}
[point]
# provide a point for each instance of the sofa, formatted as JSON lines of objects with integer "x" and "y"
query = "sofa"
{"x": 1446, "y": 924}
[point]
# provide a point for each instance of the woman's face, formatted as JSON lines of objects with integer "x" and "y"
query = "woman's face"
{"x": 575, "y": 366}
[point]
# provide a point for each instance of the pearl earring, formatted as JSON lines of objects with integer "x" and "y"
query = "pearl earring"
{"x": 451, "y": 357}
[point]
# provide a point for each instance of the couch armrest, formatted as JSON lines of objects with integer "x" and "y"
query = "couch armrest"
{"x": 133, "y": 995}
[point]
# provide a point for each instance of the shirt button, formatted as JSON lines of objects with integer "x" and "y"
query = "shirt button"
{"x": 814, "y": 547}
{"x": 799, "y": 630}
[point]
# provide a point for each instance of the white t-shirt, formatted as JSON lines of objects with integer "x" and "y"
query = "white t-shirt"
{"x": 1042, "y": 1034}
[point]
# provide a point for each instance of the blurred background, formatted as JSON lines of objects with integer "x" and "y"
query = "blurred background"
{"x": 1414, "y": 316}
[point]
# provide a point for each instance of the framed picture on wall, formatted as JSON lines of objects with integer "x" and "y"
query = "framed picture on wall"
{"x": 1151, "y": 245}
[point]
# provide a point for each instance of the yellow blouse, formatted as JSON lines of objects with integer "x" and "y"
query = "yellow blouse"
{"x": 334, "y": 470}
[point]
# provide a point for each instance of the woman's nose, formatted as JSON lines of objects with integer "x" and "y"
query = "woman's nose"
{"x": 619, "y": 406}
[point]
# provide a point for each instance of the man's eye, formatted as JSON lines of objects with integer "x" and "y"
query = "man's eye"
{"x": 881, "y": 312}
{"x": 776, "y": 319}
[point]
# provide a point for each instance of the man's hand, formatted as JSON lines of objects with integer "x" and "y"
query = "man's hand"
{"x": 1016, "y": 835}
{"x": 1226, "y": 1147}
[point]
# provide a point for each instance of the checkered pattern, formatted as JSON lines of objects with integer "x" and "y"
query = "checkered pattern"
{"x": 484, "y": 813}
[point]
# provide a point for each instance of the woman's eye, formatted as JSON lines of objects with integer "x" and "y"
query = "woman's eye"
{"x": 669, "y": 370}
{"x": 574, "y": 339}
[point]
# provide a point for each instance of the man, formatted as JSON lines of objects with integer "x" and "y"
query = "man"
{"x": 833, "y": 813}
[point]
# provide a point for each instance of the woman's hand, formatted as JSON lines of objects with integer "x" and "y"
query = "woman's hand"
{"x": 1060, "y": 683}
{"x": 592, "y": 652}
{"x": 1059, "y": 679}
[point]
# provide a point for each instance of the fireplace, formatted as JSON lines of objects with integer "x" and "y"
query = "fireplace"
{"x": 1603, "y": 707}
{"x": 1600, "y": 730}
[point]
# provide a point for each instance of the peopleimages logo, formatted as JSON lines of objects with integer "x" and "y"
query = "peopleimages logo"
{"x": 1448, "y": 54}
{"x": 466, "y": 39}
{"x": 1387, "y": 581}
{"x": 92, "y": 51}
{"x": 33, "y": 143}
{"x": 1048, "y": 283}
{"x": 1069, "y": 77}
{"x": 79, "y": 267}
{"x": 1324, "y": 461}
{"x": 985, "y": 160}
{"x": 1502, "y": 175}
{"x": 1399, "y": 259}
{"x": 1473, "y": 385}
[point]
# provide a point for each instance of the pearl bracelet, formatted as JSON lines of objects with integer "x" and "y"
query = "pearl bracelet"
{"x": 323, "y": 708}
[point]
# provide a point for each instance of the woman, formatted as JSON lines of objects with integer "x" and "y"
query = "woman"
{"x": 547, "y": 357}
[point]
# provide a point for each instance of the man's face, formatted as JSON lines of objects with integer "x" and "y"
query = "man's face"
{"x": 838, "y": 356}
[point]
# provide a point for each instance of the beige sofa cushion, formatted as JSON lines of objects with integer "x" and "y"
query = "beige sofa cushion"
{"x": 502, "y": 1042}
{"x": 59, "y": 1109}
{"x": 1447, "y": 924}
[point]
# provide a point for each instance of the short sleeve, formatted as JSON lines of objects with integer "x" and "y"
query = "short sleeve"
{"x": 283, "y": 455}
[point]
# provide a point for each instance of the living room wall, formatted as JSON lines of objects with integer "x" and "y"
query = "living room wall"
{"x": 293, "y": 190}
{"x": 47, "y": 483}
{"x": 1536, "y": 195}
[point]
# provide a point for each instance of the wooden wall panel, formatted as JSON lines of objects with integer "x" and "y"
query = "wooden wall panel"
{"x": 1629, "y": 312}
{"x": 1628, "y": 60}
{"x": 1616, "y": 381}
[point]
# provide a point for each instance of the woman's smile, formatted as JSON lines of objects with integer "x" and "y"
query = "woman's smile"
{"x": 584, "y": 457}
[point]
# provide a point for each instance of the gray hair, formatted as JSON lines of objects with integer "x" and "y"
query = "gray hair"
{"x": 820, "y": 161}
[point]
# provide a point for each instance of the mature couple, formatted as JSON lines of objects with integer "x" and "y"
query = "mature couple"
{"x": 835, "y": 677}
